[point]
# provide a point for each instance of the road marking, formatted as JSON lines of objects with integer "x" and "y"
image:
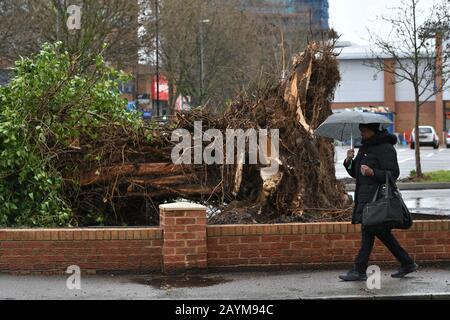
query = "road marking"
{"x": 430, "y": 155}
{"x": 406, "y": 160}
{"x": 442, "y": 150}
{"x": 402, "y": 150}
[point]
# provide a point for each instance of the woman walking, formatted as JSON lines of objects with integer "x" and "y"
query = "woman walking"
{"x": 376, "y": 156}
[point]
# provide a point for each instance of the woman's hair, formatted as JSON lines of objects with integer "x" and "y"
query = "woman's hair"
{"x": 375, "y": 127}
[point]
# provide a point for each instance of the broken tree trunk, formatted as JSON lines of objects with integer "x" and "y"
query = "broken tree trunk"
{"x": 137, "y": 171}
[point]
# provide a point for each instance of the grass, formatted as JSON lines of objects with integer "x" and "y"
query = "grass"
{"x": 435, "y": 176}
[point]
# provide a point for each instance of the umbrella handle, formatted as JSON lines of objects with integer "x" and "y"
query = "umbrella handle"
{"x": 352, "y": 142}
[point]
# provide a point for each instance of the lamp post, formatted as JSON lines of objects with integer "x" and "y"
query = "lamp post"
{"x": 202, "y": 78}
{"x": 157, "y": 59}
{"x": 58, "y": 19}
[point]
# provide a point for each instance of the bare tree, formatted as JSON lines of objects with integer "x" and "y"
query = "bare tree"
{"x": 213, "y": 50}
{"x": 416, "y": 50}
{"x": 26, "y": 24}
{"x": 19, "y": 29}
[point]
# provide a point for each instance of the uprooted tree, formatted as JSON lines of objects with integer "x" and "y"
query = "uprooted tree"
{"x": 86, "y": 161}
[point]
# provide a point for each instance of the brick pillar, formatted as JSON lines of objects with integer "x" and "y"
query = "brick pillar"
{"x": 184, "y": 234}
{"x": 389, "y": 88}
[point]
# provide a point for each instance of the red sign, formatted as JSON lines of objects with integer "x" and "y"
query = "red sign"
{"x": 448, "y": 115}
{"x": 163, "y": 89}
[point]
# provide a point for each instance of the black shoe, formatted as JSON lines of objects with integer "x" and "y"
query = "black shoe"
{"x": 354, "y": 276}
{"x": 403, "y": 271}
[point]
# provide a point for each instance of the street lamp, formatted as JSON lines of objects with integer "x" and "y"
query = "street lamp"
{"x": 59, "y": 4}
{"x": 202, "y": 80}
{"x": 157, "y": 58}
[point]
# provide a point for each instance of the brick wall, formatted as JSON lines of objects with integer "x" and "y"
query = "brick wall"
{"x": 53, "y": 251}
{"x": 320, "y": 243}
{"x": 185, "y": 242}
{"x": 406, "y": 115}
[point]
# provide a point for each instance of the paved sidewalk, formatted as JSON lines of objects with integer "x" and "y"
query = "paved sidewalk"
{"x": 428, "y": 283}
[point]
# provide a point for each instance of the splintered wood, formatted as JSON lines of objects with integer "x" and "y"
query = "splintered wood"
{"x": 137, "y": 174}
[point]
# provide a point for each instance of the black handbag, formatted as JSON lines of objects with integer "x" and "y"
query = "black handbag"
{"x": 390, "y": 210}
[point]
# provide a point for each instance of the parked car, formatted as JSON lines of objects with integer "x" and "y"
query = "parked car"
{"x": 448, "y": 139}
{"x": 427, "y": 137}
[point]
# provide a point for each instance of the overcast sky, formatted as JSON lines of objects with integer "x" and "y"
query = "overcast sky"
{"x": 351, "y": 18}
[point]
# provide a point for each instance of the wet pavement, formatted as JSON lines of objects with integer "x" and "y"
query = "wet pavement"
{"x": 180, "y": 281}
{"x": 436, "y": 202}
{"x": 427, "y": 283}
{"x": 430, "y": 202}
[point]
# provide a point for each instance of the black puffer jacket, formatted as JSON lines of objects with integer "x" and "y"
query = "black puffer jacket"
{"x": 379, "y": 154}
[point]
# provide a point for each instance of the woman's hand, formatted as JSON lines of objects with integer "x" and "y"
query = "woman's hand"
{"x": 367, "y": 171}
{"x": 350, "y": 155}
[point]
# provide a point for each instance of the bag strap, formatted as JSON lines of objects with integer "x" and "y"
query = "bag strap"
{"x": 390, "y": 183}
{"x": 375, "y": 197}
{"x": 388, "y": 189}
{"x": 391, "y": 180}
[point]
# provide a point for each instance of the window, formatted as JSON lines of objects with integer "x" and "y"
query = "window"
{"x": 425, "y": 130}
{"x": 126, "y": 87}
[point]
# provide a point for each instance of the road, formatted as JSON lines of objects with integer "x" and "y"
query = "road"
{"x": 432, "y": 160}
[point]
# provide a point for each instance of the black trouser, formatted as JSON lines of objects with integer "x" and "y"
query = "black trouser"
{"x": 388, "y": 239}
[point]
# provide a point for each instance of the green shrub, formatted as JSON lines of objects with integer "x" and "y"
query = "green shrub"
{"x": 54, "y": 99}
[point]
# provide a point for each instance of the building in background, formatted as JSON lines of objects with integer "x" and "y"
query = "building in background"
{"x": 297, "y": 13}
{"x": 141, "y": 91}
{"x": 363, "y": 86}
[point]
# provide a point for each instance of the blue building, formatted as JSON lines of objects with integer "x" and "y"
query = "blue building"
{"x": 318, "y": 9}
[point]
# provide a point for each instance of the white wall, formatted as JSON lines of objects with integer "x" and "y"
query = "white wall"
{"x": 404, "y": 91}
{"x": 359, "y": 83}
{"x": 447, "y": 94}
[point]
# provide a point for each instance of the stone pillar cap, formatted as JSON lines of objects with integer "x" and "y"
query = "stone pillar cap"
{"x": 182, "y": 206}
